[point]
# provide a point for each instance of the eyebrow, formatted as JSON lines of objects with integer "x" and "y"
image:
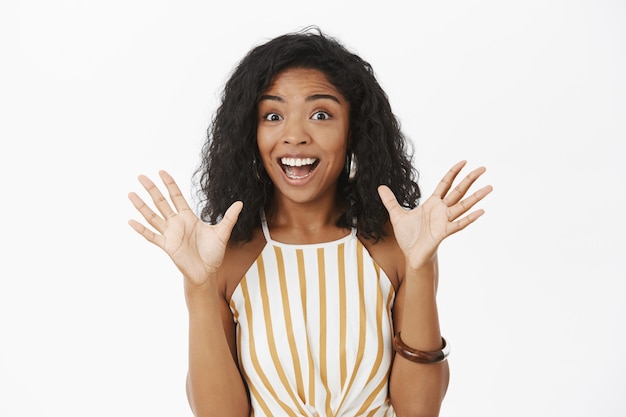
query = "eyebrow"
{"x": 308, "y": 99}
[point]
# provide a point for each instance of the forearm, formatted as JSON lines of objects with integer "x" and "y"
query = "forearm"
{"x": 418, "y": 389}
{"x": 214, "y": 384}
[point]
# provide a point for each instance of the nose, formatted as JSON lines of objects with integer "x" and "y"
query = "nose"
{"x": 295, "y": 132}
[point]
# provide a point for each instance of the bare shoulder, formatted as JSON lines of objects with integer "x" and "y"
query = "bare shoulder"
{"x": 237, "y": 260}
{"x": 387, "y": 254}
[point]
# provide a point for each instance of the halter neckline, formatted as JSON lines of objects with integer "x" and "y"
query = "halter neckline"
{"x": 269, "y": 240}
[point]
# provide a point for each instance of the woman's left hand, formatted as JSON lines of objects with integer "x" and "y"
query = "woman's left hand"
{"x": 420, "y": 231}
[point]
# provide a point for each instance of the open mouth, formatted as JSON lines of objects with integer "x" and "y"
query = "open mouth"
{"x": 298, "y": 168}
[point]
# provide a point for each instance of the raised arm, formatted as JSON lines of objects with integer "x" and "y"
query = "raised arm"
{"x": 214, "y": 383}
{"x": 417, "y": 389}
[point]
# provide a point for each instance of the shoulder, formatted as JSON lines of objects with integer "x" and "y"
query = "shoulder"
{"x": 387, "y": 254}
{"x": 237, "y": 260}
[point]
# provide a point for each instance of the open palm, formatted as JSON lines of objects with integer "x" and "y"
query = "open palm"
{"x": 197, "y": 248}
{"x": 420, "y": 231}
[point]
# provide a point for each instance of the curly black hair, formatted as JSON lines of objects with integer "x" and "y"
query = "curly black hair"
{"x": 231, "y": 167}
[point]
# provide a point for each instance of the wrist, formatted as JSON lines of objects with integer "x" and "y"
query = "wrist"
{"x": 199, "y": 295}
{"x": 424, "y": 267}
{"x": 423, "y": 278}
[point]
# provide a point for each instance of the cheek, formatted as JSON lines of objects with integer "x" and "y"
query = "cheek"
{"x": 263, "y": 143}
{"x": 340, "y": 142}
{"x": 338, "y": 149}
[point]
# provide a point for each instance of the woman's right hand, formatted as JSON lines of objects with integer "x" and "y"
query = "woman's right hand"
{"x": 197, "y": 248}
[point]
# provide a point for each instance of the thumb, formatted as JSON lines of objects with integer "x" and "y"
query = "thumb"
{"x": 230, "y": 218}
{"x": 389, "y": 200}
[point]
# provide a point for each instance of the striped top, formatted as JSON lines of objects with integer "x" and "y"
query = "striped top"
{"x": 315, "y": 329}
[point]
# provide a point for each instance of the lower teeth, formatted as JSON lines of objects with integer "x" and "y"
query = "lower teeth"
{"x": 293, "y": 176}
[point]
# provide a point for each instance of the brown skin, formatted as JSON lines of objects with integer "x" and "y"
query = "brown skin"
{"x": 304, "y": 116}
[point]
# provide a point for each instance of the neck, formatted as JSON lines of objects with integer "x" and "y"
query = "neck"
{"x": 312, "y": 222}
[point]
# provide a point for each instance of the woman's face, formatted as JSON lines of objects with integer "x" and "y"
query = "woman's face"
{"x": 303, "y": 134}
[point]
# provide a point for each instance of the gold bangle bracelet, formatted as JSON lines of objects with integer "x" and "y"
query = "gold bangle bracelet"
{"x": 419, "y": 356}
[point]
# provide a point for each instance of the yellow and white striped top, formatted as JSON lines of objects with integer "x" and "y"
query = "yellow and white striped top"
{"x": 314, "y": 332}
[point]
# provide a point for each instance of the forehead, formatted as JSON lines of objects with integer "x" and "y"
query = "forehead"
{"x": 306, "y": 80}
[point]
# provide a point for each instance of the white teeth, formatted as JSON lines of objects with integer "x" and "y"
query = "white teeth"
{"x": 297, "y": 162}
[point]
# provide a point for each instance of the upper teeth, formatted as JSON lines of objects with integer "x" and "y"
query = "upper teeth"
{"x": 297, "y": 162}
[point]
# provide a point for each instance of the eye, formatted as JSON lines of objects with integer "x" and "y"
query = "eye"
{"x": 320, "y": 115}
{"x": 272, "y": 117}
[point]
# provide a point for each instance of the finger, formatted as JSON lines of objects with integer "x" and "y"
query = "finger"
{"x": 174, "y": 191}
{"x": 148, "y": 234}
{"x": 462, "y": 223}
{"x": 464, "y": 205}
{"x": 390, "y": 201}
{"x": 446, "y": 182}
{"x": 159, "y": 201}
{"x": 229, "y": 220}
{"x": 459, "y": 191}
{"x": 151, "y": 217}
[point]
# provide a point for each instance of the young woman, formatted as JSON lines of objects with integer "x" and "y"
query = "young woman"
{"x": 311, "y": 273}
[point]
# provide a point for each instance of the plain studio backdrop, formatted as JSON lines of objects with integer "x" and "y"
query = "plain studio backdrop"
{"x": 532, "y": 297}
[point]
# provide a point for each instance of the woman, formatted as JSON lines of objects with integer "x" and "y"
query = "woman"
{"x": 312, "y": 263}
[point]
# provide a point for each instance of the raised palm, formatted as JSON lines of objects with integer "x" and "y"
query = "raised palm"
{"x": 196, "y": 248}
{"x": 420, "y": 231}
